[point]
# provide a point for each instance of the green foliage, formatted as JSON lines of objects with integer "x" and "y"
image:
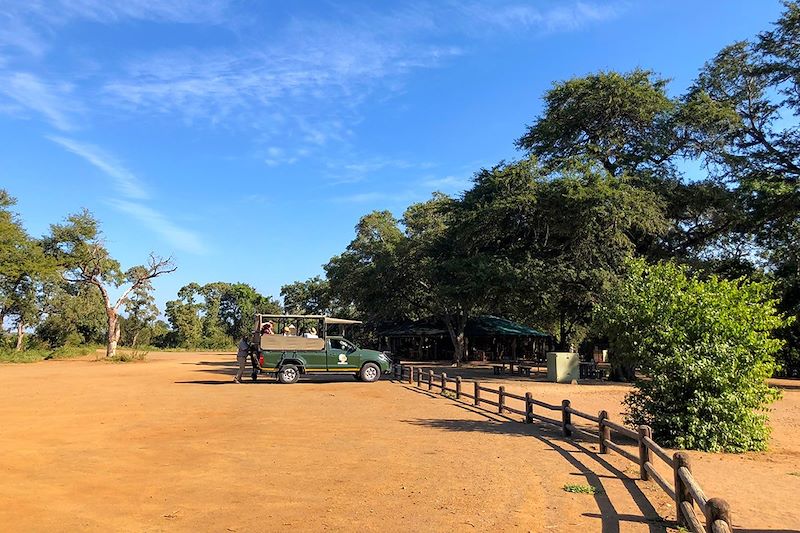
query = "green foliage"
{"x": 581, "y": 489}
{"x": 75, "y": 315}
{"x": 705, "y": 350}
{"x": 625, "y": 122}
{"x": 213, "y": 315}
{"x": 547, "y": 247}
{"x": 38, "y": 354}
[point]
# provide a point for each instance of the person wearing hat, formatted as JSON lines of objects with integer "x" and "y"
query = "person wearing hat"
{"x": 311, "y": 334}
{"x": 268, "y": 328}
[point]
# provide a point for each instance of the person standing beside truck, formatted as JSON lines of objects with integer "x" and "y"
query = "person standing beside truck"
{"x": 242, "y": 352}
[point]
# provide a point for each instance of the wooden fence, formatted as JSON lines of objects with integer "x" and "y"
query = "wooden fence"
{"x": 684, "y": 490}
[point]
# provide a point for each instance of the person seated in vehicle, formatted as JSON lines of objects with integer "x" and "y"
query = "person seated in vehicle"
{"x": 311, "y": 334}
{"x": 267, "y": 329}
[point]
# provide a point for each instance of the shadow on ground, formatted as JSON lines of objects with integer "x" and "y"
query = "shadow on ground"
{"x": 228, "y": 369}
{"x": 574, "y": 451}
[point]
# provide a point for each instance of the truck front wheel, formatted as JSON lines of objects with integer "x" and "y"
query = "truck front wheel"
{"x": 370, "y": 372}
{"x": 288, "y": 374}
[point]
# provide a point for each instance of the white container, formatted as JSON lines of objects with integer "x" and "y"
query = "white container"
{"x": 562, "y": 367}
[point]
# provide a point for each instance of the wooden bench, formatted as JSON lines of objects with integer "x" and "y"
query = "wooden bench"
{"x": 498, "y": 369}
{"x": 525, "y": 369}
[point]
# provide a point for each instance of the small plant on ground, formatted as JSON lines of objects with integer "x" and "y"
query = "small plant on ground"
{"x": 581, "y": 489}
{"x": 449, "y": 394}
{"x": 133, "y": 355}
{"x": 794, "y": 474}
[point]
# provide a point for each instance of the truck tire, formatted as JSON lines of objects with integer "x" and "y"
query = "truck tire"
{"x": 370, "y": 373}
{"x": 288, "y": 374}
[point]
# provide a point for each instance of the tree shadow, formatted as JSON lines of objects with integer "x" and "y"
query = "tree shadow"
{"x": 580, "y": 458}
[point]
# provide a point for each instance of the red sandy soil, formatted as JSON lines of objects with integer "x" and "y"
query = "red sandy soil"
{"x": 172, "y": 445}
{"x": 763, "y": 488}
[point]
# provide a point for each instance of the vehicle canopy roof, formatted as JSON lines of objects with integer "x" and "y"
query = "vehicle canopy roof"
{"x": 328, "y": 319}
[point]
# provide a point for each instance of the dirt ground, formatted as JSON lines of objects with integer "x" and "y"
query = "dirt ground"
{"x": 763, "y": 489}
{"x": 172, "y": 445}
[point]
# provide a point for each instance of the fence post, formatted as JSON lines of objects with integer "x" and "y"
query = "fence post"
{"x": 410, "y": 375}
{"x": 419, "y": 377}
{"x": 717, "y": 509}
{"x": 458, "y": 387}
{"x": 430, "y": 379}
{"x": 528, "y": 408}
{"x": 444, "y": 382}
{"x": 682, "y": 493}
{"x": 501, "y": 399}
{"x": 477, "y": 393}
{"x": 605, "y": 431}
{"x": 566, "y": 418}
{"x": 645, "y": 453}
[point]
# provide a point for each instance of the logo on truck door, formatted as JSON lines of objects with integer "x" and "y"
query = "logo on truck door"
{"x": 342, "y": 359}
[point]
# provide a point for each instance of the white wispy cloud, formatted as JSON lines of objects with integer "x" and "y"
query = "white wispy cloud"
{"x": 180, "y": 238}
{"x": 124, "y": 180}
{"x": 518, "y": 16}
{"x": 27, "y": 25}
{"x": 29, "y": 93}
{"x": 134, "y": 194}
{"x": 361, "y": 198}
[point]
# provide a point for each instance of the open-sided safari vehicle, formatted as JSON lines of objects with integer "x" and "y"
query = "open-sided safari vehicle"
{"x": 303, "y": 344}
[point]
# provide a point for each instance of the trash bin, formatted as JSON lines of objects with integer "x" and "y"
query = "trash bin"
{"x": 562, "y": 367}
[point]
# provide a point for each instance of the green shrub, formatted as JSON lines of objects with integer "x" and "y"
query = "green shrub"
{"x": 8, "y": 355}
{"x": 704, "y": 349}
{"x": 581, "y": 489}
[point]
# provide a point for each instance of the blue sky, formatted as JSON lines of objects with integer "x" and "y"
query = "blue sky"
{"x": 246, "y": 138}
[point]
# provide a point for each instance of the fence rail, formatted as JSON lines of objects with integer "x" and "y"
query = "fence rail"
{"x": 684, "y": 490}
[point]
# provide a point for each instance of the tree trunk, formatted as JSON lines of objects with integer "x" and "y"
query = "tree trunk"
{"x": 20, "y": 335}
{"x": 135, "y": 337}
{"x": 562, "y": 327}
{"x": 456, "y": 326}
{"x": 113, "y": 333}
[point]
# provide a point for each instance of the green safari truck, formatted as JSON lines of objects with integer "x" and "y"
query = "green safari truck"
{"x": 291, "y": 347}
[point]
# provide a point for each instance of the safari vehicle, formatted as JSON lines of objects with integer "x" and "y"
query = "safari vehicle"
{"x": 296, "y": 349}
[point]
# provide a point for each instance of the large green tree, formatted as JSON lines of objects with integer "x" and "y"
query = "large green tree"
{"x": 744, "y": 119}
{"x": 24, "y": 269}
{"x": 548, "y": 246}
{"x": 631, "y": 127}
{"x": 79, "y": 251}
{"x": 215, "y": 314}
{"x": 141, "y": 311}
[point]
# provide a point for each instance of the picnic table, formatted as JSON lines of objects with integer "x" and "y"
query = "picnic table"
{"x": 523, "y": 367}
{"x": 594, "y": 370}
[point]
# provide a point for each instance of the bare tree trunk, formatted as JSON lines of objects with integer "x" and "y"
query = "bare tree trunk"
{"x": 135, "y": 337}
{"x": 113, "y": 333}
{"x": 20, "y": 335}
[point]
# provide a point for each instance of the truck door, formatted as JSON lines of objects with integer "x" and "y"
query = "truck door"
{"x": 314, "y": 359}
{"x": 341, "y": 356}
